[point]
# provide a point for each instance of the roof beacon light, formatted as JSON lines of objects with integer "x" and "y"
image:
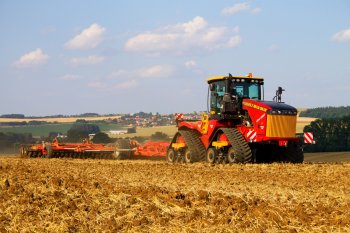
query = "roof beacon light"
{"x": 250, "y": 75}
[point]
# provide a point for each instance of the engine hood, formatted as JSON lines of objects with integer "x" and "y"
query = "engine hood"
{"x": 270, "y": 107}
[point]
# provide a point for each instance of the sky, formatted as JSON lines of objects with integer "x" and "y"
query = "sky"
{"x": 106, "y": 57}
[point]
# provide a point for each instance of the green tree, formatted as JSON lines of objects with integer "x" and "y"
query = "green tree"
{"x": 7, "y": 140}
{"x": 159, "y": 136}
{"x": 331, "y": 134}
{"x": 81, "y": 130}
{"x": 326, "y": 112}
{"x": 102, "y": 138}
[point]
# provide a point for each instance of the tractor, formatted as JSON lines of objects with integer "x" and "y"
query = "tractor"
{"x": 239, "y": 126}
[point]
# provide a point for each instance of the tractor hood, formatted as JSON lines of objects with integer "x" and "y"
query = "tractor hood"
{"x": 270, "y": 107}
{"x": 272, "y": 119}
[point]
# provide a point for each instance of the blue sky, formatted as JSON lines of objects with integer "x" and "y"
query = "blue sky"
{"x": 72, "y": 57}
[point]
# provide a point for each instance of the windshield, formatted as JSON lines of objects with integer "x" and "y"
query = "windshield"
{"x": 247, "y": 90}
{"x": 242, "y": 90}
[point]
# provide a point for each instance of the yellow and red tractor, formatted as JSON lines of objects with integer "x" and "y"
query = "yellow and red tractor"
{"x": 241, "y": 127}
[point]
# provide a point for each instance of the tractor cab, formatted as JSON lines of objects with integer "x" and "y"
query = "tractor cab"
{"x": 226, "y": 94}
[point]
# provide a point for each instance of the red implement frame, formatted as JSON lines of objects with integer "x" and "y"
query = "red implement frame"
{"x": 151, "y": 148}
{"x": 88, "y": 149}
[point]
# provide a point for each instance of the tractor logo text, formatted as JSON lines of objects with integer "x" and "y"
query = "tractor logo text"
{"x": 255, "y": 106}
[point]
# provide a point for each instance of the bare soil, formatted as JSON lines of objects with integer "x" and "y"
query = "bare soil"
{"x": 327, "y": 157}
{"x": 73, "y": 195}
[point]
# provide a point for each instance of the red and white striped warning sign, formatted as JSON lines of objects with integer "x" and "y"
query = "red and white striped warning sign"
{"x": 251, "y": 136}
{"x": 308, "y": 137}
{"x": 179, "y": 116}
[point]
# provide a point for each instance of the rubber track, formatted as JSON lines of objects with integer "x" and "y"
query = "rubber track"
{"x": 194, "y": 144}
{"x": 239, "y": 143}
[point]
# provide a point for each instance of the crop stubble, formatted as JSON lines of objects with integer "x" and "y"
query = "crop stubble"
{"x": 112, "y": 196}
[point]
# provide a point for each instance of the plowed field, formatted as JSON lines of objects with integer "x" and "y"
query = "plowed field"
{"x": 66, "y": 195}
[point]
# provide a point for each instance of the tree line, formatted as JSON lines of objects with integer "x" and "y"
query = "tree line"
{"x": 326, "y": 112}
{"x": 330, "y": 134}
{"x": 22, "y": 116}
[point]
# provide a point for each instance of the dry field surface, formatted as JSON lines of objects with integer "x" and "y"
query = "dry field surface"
{"x": 302, "y": 122}
{"x": 66, "y": 195}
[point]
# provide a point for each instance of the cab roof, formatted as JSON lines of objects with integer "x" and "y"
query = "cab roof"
{"x": 248, "y": 77}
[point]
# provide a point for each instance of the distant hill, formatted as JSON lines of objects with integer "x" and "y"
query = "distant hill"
{"x": 326, "y": 112}
{"x": 22, "y": 116}
{"x": 17, "y": 116}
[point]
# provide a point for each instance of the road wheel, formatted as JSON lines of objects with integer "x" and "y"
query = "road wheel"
{"x": 232, "y": 156}
{"x": 188, "y": 156}
{"x": 171, "y": 155}
{"x": 212, "y": 154}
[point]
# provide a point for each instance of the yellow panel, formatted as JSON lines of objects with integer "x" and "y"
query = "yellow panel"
{"x": 178, "y": 146}
{"x": 215, "y": 78}
{"x": 281, "y": 126}
{"x": 219, "y": 144}
{"x": 205, "y": 123}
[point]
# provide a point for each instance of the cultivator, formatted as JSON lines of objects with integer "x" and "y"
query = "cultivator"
{"x": 133, "y": 149}
{"x": 55, "y": 149}
{"x": 122, "y": 149}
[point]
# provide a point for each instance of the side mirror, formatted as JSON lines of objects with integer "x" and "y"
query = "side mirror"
{"x": 212, "y": 87}
{"x": 278, "y": 96}
{"x": 280, "y": 90}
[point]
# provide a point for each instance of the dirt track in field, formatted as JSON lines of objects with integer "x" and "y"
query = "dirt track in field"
{"x": 327, "y": 157}
{"x": 153, "y": 196}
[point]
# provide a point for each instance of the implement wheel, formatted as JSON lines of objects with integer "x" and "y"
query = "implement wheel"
{"x": 123, "y": 149}
{"x": 212, "y": 155}
{"x": 24, "y": 152}
{"x": 49, "y": 150}
{"x": 232, "y": 156}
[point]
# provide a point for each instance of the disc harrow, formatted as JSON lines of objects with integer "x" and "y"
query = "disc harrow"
{"x": 122, "y": 149}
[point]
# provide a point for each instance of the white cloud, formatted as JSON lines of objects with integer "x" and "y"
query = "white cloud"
{"x": 127, "y": 84}
{"x": 233, "y": 42}
{"x": 90, "y": 60}
{"x": 274, "y": 48}
{"x": 235, "y": 8}
{"x": 132, "y": 78}
{"x": 342, "y": 36}
{"x": 89, "y": 38}
{"x": 256, "y": 10}
{"x": 190, "y": 64}
{"x": 240, "y": 7}
{"x": 156, "y": 71}
{"x": 70, "y": 77}
{"x": 195, "y": 25}
{"x": 36, "y": 57}
{"x": 180, "y": 38}
{"x": 236, "y": 29}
